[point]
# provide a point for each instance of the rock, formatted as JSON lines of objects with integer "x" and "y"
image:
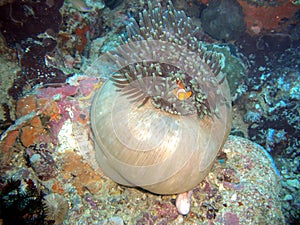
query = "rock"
{"x": 183, "y": 202}
{"x": 223, "y": 20}
{"x": 247, "y": 184}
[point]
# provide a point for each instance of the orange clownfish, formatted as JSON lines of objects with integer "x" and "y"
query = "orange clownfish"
{"x": 180, "y": 92}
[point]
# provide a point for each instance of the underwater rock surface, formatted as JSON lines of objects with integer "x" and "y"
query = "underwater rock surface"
{"x": 223, "y": 20}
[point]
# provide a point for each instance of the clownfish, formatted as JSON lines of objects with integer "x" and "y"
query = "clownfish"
{"x": 180, "y": 92}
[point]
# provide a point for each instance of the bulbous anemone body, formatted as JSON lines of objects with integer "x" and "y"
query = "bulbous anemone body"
{"x": 146, "y": 135}
{"x": 155, "y": 150}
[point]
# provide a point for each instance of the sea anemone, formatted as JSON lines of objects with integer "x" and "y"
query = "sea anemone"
{"x": 159, "y": 56}
{"x": 164, "y": 113}
{"x": 56, "y": 207}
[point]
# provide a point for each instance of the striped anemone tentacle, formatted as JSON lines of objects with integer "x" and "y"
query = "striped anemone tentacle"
{"x": 161, "y": 58}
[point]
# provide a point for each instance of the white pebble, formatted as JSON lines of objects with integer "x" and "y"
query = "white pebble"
{"x": 183, "y": 202}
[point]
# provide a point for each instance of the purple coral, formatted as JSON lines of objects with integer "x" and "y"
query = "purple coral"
{"x": 231, "y": 219}
{"x": 41, "y": 161}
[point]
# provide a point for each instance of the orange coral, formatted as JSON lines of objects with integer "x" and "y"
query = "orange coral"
{"x": 81, "y": 32}
{"x": 81, "y": 174}
{"x": 205, "y": 1}
{"x": 269, "y": 17}
{"x": 25, "y": 105}
{"x": 31, "y": 132}
{"x": 35, "y": 128}
{"x": 51, "y": 110}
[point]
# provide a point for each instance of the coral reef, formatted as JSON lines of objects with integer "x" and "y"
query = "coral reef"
{"x": 225, "y": 196}
{"x": 266, "y": 104}
{"x": 265, "y": 100}
{"x": 262, "y": 17}
{"x": 270, "y": 109}
{"x": 46, "y": 128}
{"x": 51, "y": 108}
